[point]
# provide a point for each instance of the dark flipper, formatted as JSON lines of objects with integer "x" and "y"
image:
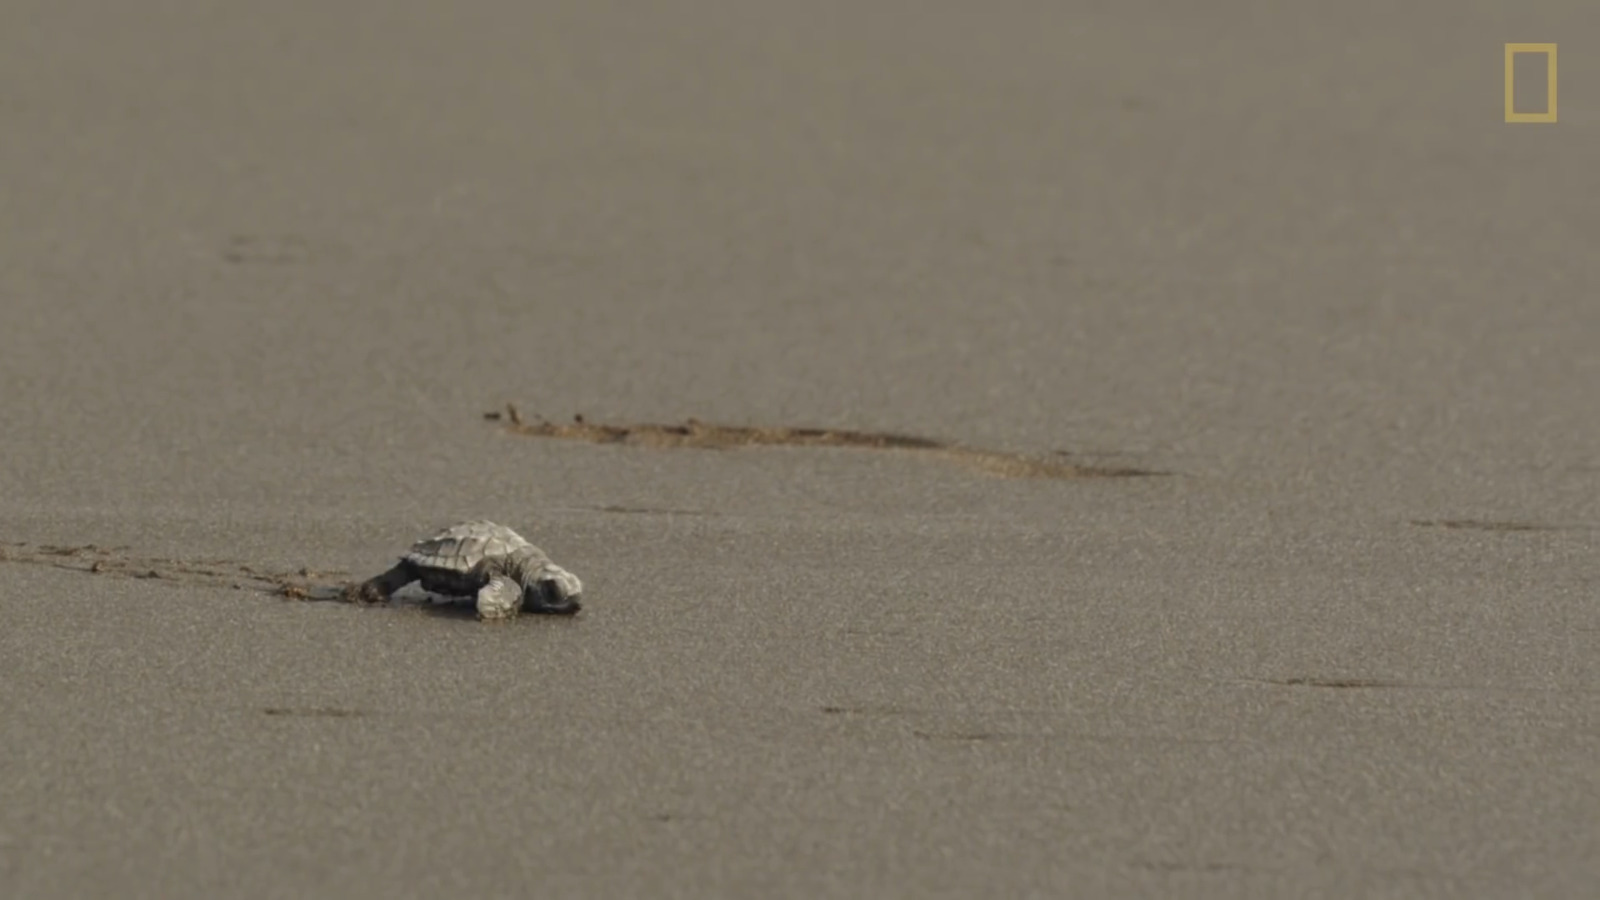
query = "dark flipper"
{"x": 382, "y": 587}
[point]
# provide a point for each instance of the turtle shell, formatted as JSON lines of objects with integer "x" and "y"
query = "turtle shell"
{"x": 460, "y": 548}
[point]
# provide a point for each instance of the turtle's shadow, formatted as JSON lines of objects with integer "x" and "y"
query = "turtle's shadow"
{"x": 411, "y": 600}
{"x": 460, "y": 610}
{"x": 414, "y": 599}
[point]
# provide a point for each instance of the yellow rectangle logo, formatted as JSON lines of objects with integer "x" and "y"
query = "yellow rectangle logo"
{"x": 1549, "y": 114}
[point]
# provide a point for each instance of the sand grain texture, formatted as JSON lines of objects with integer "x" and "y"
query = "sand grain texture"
{"x": 261, "y": 274}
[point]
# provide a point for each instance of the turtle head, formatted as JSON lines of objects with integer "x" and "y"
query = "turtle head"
{"x": 553, "y": 591}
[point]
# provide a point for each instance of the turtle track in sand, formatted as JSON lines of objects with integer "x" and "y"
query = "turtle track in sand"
{"x": 225, "y": 574}
{"x": 696, "y": 434}
{"x": 117, "y": 562}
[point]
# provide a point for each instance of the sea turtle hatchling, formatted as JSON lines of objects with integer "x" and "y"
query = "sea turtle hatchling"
{"x": 491, "y": 562}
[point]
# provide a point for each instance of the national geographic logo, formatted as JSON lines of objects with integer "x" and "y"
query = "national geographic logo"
{"x": 1529, "y": 53}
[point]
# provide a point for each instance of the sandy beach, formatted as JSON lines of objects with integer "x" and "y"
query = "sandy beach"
{"x": 1140, "y": 449}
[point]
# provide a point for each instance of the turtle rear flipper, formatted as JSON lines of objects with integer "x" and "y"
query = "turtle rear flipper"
{"x": 381, "y": 588}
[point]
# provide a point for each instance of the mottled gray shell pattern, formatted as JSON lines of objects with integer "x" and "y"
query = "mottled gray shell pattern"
{"x": 462, "y": 548}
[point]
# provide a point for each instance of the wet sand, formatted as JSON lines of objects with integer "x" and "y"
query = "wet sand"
{"x": 263, "y": 273}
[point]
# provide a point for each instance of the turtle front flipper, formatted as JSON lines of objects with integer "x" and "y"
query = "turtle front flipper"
{"x": 499, "y": 599}
{"x": 380, "y": 588}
